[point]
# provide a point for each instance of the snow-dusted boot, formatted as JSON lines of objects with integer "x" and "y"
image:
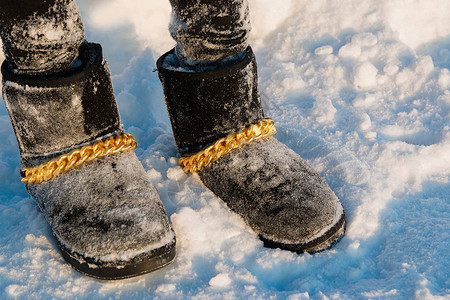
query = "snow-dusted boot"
{"x": 78, "y": 165}
{"x": 220, "y": 130}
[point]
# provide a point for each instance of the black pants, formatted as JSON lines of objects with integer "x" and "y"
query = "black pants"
{"x": 43, "y": 36}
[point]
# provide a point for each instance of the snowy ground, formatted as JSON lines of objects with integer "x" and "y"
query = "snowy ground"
{"x": 361, "y": 89}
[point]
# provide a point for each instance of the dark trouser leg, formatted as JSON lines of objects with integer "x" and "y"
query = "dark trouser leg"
{"x": 40, "y": 36}
{"x": 207, "y": 31}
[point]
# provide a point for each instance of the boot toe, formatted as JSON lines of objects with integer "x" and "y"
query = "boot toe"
{"x": 286, "y": 202}
{"x": 107, "y": 218}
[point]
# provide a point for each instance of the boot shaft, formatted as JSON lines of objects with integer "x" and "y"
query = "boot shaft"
{"x": 52, "y": 114}
{"x": 204, "y": 107}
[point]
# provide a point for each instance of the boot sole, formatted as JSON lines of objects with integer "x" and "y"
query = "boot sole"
{"x": 326, "y": 241}
{"x": 161, "y": 257}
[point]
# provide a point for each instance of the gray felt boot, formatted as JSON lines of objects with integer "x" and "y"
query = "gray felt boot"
{"x": 78, "y": 165}
{"x": 105, "y": 214}
{"x": 210, "y": 84}
{"x": 286, "y": 202}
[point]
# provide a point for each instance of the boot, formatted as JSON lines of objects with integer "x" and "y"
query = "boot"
{"x": 106, "y": 216}
{"x": 210, "y": 85}
{"x": 220, "y": 131}
{"x": 78, "y": 163}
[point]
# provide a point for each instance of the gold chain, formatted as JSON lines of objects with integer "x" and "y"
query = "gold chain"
{"x": 196, "y": 162}
{"x": 65, "y": 162}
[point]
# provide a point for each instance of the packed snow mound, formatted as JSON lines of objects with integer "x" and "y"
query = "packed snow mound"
{"x": 360, "y": 89}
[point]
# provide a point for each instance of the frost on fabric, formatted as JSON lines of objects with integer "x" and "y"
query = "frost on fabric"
{"x": 276, "y": 192}
{"x": 172, "y": 62}
{"x": 45, "y": 42}
{"x": 34, "y": 120}
{"x": 225, "y": 101}
{"x": 105, "y": 210}
{"x": 209, "y": 30}
{"x": 51, "y": 119}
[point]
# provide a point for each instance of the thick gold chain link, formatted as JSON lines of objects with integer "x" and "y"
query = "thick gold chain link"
{"x": 196, "y": 162}
{"x": 65, "y": 162}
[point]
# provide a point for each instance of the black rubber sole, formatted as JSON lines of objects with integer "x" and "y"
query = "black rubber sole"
{"x": 326, "y": 241}
{"x": 142, "y": 264}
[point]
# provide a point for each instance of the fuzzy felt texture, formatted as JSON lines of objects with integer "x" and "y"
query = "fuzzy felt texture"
{"x": 54, "y": 113}
{"x": 275, "y": 191}
{"x": 204, "y": 107}
{"x": 105, "y": 211}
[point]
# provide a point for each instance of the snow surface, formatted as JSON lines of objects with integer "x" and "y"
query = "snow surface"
{"x": 360, "y": 89}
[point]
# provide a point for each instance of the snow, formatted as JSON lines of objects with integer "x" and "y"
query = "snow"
{"x": 365, "y": 75}
{"x": 360, "y": 89}
{"x": 221, "y": 280}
